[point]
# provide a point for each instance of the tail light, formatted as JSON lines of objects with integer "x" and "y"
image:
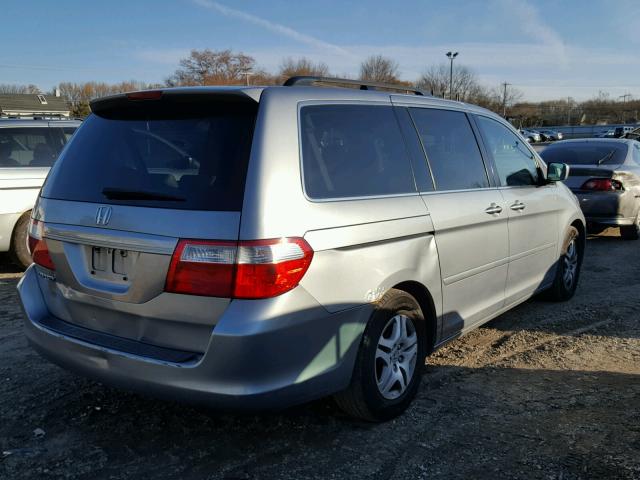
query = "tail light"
{"x": 246, "y": 269}
{"x": 145, "y": 95}
{"x": 38, "y": 245}
{"x": 602, "y": 185}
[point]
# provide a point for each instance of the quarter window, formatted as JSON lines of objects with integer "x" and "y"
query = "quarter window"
{"x": 514, "y": 161}
{"x": 68, "y": 132}
{"x": 353, "y": 151}
{"x": 451, "y": 148}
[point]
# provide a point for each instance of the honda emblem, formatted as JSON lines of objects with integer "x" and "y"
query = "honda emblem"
{"x": 103, "y": 215}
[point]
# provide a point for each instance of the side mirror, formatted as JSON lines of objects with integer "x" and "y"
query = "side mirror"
{"x": 557, "y": 172}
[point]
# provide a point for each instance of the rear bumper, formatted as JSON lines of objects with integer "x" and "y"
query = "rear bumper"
{"x": 253, "y": 361}
{"x": 608, "y": 208}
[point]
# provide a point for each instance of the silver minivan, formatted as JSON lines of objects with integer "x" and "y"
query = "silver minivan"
{"x": 256, "y": 248}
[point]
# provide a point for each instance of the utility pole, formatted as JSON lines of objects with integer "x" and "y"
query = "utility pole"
{"x": 247, "y": 74}
{"x": 451, "y": 56}
{"x": 624, "y": 98}
{"x": 504, "y": 99}
{"x": 568, "y": 110}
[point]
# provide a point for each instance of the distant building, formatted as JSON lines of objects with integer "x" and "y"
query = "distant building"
{"x": 33, "y": 105}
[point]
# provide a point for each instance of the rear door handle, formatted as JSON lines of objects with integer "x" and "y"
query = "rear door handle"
{"x": 493, "y": 209}
{"x": 518, "y": 206}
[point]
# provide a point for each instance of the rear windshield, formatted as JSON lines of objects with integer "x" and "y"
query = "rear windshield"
{"x": 191, "y": 158}
{"x": 31, "y": 146}
{"x": 586, "y": 153}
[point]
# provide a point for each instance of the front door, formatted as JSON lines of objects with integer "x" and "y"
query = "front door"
{"x": 532, "y": 209}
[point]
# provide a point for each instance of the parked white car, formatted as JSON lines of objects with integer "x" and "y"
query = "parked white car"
{"x": 28, "y": 148}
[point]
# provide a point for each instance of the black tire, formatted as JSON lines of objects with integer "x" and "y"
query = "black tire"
{"x": 562, "y": 289}
{"x": 19, "y": 250}
{"x": 631, "y": 232}
{"x": 363, "y": 398}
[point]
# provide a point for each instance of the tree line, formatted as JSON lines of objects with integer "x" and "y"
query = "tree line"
{"x": 226, "y": 67}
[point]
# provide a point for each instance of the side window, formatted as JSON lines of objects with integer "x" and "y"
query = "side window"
{"x": 421, "y": 173}
{"x": 353, "y": 151}
{"x": 515, "y": 163}
{"x": 68, "y": 132}
{"x": 451, "y": 148}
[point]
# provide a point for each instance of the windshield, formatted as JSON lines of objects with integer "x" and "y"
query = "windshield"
{"x": 193, "y": 160}
{"x": 586, "y": 153}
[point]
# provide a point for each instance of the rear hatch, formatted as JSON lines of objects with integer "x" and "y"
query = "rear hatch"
{"x": 587, "y": 160}
{"x": 144, "y": 171}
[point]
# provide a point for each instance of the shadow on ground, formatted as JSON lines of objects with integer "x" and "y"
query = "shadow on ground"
{"x": 466, "y": 423}
{"x": 6, "y": 265}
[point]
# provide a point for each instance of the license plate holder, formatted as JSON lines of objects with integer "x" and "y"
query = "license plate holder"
{"x": 110, "y": 260}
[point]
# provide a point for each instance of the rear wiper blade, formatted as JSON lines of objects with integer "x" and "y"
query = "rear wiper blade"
{"x": 605, "y": 158}
{"x": 123, "y": 194}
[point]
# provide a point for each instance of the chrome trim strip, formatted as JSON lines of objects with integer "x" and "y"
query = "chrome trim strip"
{"x": 34, "y": 187}
{"x": 462, "y": 190}
{"x": 119, "y": 239}
{"x": 370, "y": 197}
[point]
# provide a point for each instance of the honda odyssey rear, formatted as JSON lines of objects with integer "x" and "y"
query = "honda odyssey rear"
{"x": 262, "y": 247}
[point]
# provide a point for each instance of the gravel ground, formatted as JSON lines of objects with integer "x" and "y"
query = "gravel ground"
{"x": 545, "y": 391}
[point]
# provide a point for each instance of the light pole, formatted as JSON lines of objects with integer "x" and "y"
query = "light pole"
{"x": 451, "y": 56}
{"x": 504, "y": 99}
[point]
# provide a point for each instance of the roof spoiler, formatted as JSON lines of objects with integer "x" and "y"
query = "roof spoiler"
{"x": 168, "y": 96}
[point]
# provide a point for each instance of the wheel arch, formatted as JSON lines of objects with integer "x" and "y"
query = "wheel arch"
{"x": 425, "y": 300}
{"x": 582, "y": 234}
{"x": 26, "y": 213}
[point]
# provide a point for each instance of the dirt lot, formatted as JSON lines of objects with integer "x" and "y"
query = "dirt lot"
{"x": 545, "y": 391}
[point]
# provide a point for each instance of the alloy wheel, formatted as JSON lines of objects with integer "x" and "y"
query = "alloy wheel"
{"x": 570, "y": 261}
{"x": 396, "y": 356}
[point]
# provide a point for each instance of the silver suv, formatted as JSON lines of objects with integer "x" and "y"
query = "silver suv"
{"x": 263, "y": 247}
{"x": 28, "y": 148}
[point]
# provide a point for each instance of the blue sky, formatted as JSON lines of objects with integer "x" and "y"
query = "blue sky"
{"x": 547, "y": 49}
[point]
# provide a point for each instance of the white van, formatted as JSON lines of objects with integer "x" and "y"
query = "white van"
{"x": 28, "y": 148}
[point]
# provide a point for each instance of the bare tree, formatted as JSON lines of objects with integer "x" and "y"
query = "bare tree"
{"x": 208, "y": 67}
{"x": 465, "y": 83}
{"x": 11, "y": 88}
{"x": 302, "y": 66}
{"x": 506, "y": 95}
{"x": 378, "y": 68}
{"x": 80, "y": 94}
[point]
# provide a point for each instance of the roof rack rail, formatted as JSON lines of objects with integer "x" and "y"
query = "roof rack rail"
{"x": 311, "y": 81}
